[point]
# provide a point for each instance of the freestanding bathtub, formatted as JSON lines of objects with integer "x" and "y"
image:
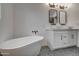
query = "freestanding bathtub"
{"x": 26, "y": 46}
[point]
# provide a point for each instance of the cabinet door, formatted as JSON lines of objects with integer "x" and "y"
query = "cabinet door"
{"x": 50, "y": 38}
{"x": 58, "y": 39}
{"x": 73, "y": 37}
{"x": 65, "y": 38}
{"x": 61, "y": 39}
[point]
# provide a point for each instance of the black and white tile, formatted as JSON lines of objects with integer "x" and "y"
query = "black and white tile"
{"x": 70, "y": 51}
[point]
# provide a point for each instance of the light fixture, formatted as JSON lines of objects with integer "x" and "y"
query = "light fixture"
{"x": 63, "y": 6}
{"x": 53, "y": 5}
{"x": 59, "y": 5}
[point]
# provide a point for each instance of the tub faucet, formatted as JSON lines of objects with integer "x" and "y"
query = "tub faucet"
{"x": 35, "y": 31}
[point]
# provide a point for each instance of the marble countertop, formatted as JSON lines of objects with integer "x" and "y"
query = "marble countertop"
{"x": 61, "y": 29}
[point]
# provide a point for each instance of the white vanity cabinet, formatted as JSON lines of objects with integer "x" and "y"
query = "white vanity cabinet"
{"x": 61, "y": 38}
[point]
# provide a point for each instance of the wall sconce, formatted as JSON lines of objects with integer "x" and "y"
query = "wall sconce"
{"x": 63, "y": 5}
{"x": 59, "y": 5}
{"x": 53, "y": 5}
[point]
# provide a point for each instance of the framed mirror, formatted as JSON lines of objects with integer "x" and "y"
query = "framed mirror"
{"x": 62, "y": 17}
{"x": 53, "y": 16}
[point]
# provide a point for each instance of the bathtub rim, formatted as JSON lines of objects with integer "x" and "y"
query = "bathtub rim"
{"x": 21, "y": 46}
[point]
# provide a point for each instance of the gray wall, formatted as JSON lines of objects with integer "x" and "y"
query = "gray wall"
{"x": 18, "y": 20}
{"x": 0, "y": 11}
{"x": 28, "y": 17}
{"x": 6, "y": 22}
{"x": 73, "y": 15}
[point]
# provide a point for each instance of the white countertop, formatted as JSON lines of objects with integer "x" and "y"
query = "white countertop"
{"x": 61, "y": 28}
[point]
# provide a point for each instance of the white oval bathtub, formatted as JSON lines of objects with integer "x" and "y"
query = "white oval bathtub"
{"x": 26, "y": 46}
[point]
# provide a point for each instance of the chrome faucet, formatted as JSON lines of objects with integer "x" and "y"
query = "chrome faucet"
{"x": 34, "y": 31}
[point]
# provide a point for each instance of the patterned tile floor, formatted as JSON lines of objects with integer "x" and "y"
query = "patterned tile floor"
{"x": 70, "y": 51}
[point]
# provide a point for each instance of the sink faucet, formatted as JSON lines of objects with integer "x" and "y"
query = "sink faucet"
{"x": 34, "y": 31}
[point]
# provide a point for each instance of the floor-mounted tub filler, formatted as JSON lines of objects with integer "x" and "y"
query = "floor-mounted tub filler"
{"x": 26, "y": 46}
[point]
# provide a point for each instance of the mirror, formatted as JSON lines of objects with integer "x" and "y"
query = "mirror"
{"x": 62, "y": 17}
{"x": 53, "y": 16}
